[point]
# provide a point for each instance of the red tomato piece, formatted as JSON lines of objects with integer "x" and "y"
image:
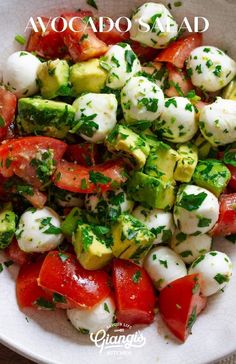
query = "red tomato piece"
{"x": 27, "y": 288}
{"x": 7, "y": 110}
{"x": 16, "y": 254}
{"x": 112, "y": 36}
{"x": 180, "y": 302}
{"x": 178, "y": 51}
{"x": 103, "y": 177}
{"x": 48, "y": 44}
{"x": 180, "y": 85}
{"x": 16, "y": 156}
{"x": 82, "y": 43}
{"x": 85, "y": 154}
{"x": 144, "y": 53}
{"x": 226, "y": 224}
{"x": 134, "y": 293}
{"x": 62, "y": 273}
{"x": 38, "y": 199}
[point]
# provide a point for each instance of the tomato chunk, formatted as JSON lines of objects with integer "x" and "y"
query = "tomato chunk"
{"x": 103, "y": 177}
{"x": 27, "y": 288}
{"x": 226, "y": 224}
{"x": 16, "y": 254}
{"x": 85, "y": 154}
{"x": 7, "y": 110}
{"x": 62, "y": 273}
{"x": 134, "y": 293}
{"x": 144, "y": 53}
{"x": 179, "y": 51}
{"x": 82, "y": 43}
{"x": 37, "y": 199}
{"x": 180, "y": 302}
{"x": 180, "y": 85}
{"x": 16, "y": 157}
{"x": 112, "y": 36}
{"x": 48, "y": 44}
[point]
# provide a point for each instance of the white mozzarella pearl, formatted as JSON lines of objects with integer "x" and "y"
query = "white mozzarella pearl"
{"x": 164, "y": 266}
{"x": 196, "y": 210}
{"x": 162, "y": 26}
{"x": 95, "y": 319}
{"x": 210, "y": 68}
{"x": 38, "y": 230}
{"x": 20, "y": 74}
{"x": 216, "y": 270}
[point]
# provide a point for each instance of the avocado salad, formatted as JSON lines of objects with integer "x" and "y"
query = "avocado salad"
{"x": 117, "y": 170}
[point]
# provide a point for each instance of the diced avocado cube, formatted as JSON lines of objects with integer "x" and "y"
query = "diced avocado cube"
{"x": 69, "y": 225}
{"x": 161, "y": 162}
{"x": 188, "y": 161}
{"x": 87, "y": 76}
{"x": 129, "y": 144}
{"x": 131, "y": 238}
{"x": 204, "y": 147}
{"x": 44, "y": 117}
{"x": 53, "y": 78}
{"x": 7, "y": 226}
{"x": 229, "y": 91}
{"x": 90, "y": 249}
{"x": 151, "y": 191}
{"x": 150, "y": 138}
{"x": 213, "y": 175}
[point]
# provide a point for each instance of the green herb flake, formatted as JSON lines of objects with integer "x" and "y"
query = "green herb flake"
{"x": 171, "y": 101}
{"x": 20, "y": 39}
{"x": 186, "y": 253}
{"x": 164, "y": 262}
{"x": 8, "y": 263}
{"x": 130, "y": 57}
{"x": 43, "y": 303}
{"x": 203, "y": 222}
{"x": 2, "y": 122}
{"x": 97, "y": 177}
{"x": 198, "y": 260}
{"x": 191, "y": 202}
{"x": 192, "y": 318}
{"x": 136, "y": 277}
{"x": 58, "y": 298}
{"x": 1, "y": 267}
{"x": 106, "y": 308}
{"x": 92, "y": 3}
{"x": 221, "y": 278}
{"x": 63, "y": 257}
{"x": 217, "y": 71}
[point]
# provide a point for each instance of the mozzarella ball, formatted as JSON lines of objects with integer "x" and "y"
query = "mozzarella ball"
{"x": 164, "y": 266}
{"x": 141, "y": 100}
{"x": 95, "y": 319}
{"x": 158, "y": 221}
{"x": 178, "y": 122}
{"x": 38, "y": 230}
{"x": 121, "y": 63}
{"x": 96, "y": 115}
{"x": 153, "y": 26}
{"x": 210, "y": 68}
{"x": 196, "y": 210}
{"x": 216, "y": 270}
{"x": 217, "y": 122}
{"x": 190, "y": 247}
{"x": 108, "y": 205}
{"x": 20, "y": 74}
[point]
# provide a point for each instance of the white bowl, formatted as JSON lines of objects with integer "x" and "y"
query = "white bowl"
{"x": 47, "y": 337}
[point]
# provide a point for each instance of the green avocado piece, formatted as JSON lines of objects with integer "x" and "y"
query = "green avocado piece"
{"x": 90, "y": 249}
{"x": 7, "y": 226}
{"x": 151, "y": 191}
{"x": 213, "y": 175}
{"x": 229, "y": 91}
{"x": 45, "y": 117}
{"x": 132, "y": 239}
{"x": 53, "y": 78}
{"x": 188, "y": 161}
{"x": 87, "y": 76}
{"x": 129, "y": 144}
{"x": 204, "y": 147}
{"x": 161, "y": 162}
{"x": 71, "y": 221}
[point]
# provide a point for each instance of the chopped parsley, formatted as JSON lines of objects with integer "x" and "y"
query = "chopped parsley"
{"x": 106, "y": 308}
{"x": 51, "y": 229}
{"x": 92, "y": 3}
{"x": 20, "y": 39}
{"x": 192, "y": 318}
{"x": 192, "y": 202}
{"x": 221, "y": 278}
{"x": 86, "y": 125}
{"x": 171, "y": 101}
{"x": 43, "y": 303}
{"x": 130, "y": 57}
{"x": 198, "y": 260}
{"x": 217, "y": 71}
{"x": 136, "y": 276}
{"x": 203, "y": 222}
{"x": 97, "y": 177}
{"x": 186, "y": 253}
{"x": 58, "y": 298}
{"x": 2, "y": 122}
{"x": 149, "y": 103}
{"x": 164, "y": 262}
